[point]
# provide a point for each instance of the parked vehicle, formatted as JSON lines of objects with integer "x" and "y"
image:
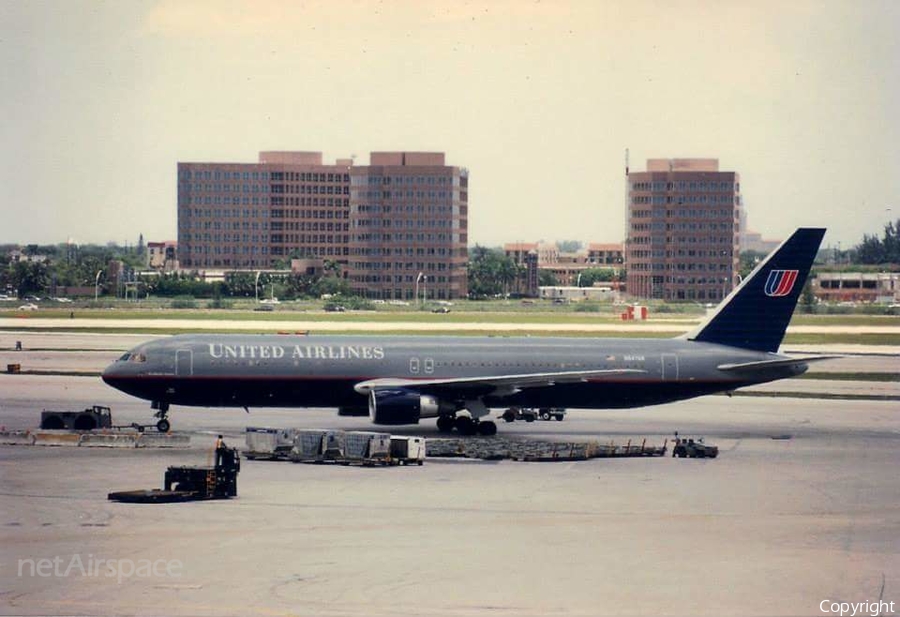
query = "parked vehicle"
{"x": 407, "y": 450}
{"x": 98, "y": 416}
{"x": 552, "y": 413}
{"x": 693, "y": 449}
{"x": 519, "y": 413}
{"x": 530, "y": 415}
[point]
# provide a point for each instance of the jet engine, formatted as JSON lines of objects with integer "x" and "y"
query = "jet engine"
{"x": 399, "y": 406}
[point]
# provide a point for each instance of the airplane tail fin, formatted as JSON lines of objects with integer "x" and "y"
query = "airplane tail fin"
{"x": 756, "y": 314}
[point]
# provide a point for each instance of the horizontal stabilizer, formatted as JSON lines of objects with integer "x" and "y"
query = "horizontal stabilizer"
{"x": 767, "y": 364}
{"x": 532, "y": 380}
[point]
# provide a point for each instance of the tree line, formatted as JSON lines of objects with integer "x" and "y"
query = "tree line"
{"x": 877, "y": 251}
{"x": 491, "y": 272}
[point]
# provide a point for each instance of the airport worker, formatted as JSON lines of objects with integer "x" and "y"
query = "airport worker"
{"x": 220, "y": 449}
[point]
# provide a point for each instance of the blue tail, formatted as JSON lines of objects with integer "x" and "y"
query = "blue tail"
{"x": 756, "y": 314}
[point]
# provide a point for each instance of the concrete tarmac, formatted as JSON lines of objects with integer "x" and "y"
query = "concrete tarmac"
{"x": 802, "y": 506}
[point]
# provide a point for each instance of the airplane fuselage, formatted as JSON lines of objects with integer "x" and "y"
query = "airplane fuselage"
{"x": 321, "y": 371}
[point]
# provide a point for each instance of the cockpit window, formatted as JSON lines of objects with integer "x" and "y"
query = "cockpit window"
{"x": 133, "y": 357}
{"x": 125, "y": 357}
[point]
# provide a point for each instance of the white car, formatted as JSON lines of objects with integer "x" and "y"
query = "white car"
{"x": 63, "y": 300}
{"x": 28, "y": 307}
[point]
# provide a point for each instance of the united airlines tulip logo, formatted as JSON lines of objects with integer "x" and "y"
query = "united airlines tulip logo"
{"x": 780, "y": 283}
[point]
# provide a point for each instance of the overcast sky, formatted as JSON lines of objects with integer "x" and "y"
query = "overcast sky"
{"x": 539, "y": 100}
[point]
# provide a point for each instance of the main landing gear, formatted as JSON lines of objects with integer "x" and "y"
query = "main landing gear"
{"x": 466, "y": 425}
{"x": 162, "y": 413}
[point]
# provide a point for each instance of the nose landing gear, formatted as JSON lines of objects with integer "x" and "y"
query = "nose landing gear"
{"x": 162, "y": 412}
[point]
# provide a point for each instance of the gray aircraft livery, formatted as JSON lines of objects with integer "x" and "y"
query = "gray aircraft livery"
{"x": 402, "y": 379}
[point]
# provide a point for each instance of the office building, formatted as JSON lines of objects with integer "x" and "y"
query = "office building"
{"x": 408, "y": 227}
{"x": 683, "y": 230}
{"x": 405, "y": 219}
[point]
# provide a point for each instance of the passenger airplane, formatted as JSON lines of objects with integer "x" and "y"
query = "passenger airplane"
{"x": 400, "y": 380}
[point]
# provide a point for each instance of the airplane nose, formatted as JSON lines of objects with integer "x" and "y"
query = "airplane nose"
{"x": 110, "y": 373}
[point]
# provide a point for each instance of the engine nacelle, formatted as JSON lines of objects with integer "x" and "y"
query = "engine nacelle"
{"x": 399, "y": 406}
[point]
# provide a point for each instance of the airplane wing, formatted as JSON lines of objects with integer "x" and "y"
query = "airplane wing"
{"x": 490, "y": 383}
{"x": 762, "y": 365}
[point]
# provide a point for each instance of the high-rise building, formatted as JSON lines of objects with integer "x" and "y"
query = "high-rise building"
{"x": 683, "y": 230}
{"x": 408, "y": 227}
{"x": 252, "y": 215}
{"x": 404, "y": 221}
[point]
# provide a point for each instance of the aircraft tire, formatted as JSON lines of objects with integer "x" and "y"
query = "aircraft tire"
{"x": 545, "y": 415}
{"x": 445, "y": 424}
{"x": 487, "y": 428}
{"x": 163, "y": 426}
{"x": 466, "y": 426}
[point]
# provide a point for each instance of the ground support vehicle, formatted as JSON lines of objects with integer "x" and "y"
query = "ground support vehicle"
{"x": 407, "y": 450}
{"x": 189, "y": 483}
{"x": 95, "y": 417}
{"x": 693, "y": 449}
{"x": 530, "y": 415}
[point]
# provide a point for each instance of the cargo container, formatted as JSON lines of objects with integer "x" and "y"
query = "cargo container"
{"x": 308, "y": 446}
{"x": 333, "y": 446}
{"x": 367, "y": 447}
{"x": 271, "y": 443}
{"x": 407, "y": 450}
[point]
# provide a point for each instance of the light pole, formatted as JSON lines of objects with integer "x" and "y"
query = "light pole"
{"x": 578, "y": 280}
{"x": 256, "y": 286}
{"x": 418, "y": 278}
{"x": 97, "y": 285}
{"x": 424, "y": 288}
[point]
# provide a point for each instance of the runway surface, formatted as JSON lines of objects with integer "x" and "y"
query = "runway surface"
{"x": 802, "y": 506}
